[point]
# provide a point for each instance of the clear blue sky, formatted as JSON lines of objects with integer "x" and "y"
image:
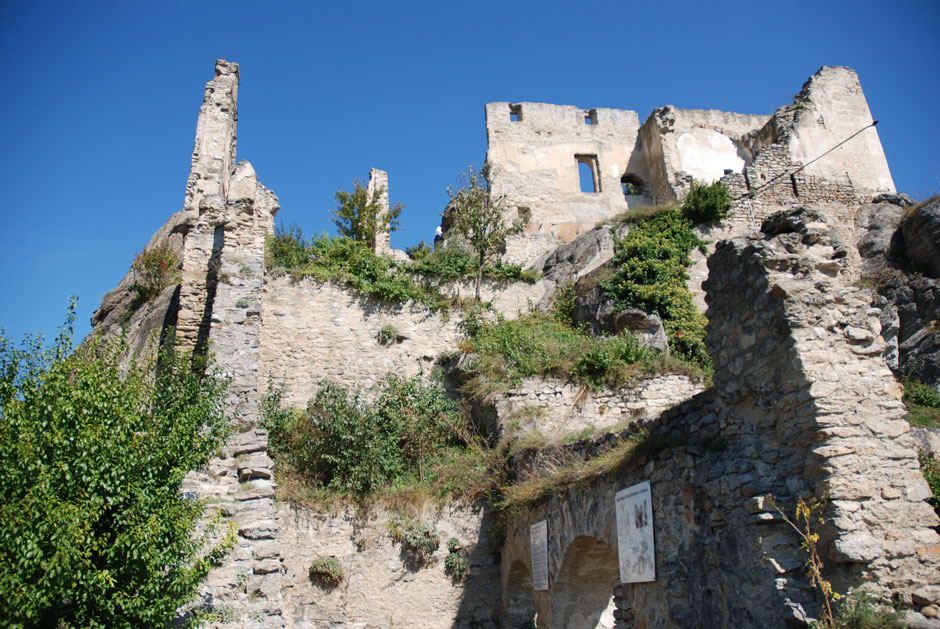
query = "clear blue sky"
{"x": 100, "y": 102}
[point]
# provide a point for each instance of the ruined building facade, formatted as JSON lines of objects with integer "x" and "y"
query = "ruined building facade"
{"x": 802, "y": 403}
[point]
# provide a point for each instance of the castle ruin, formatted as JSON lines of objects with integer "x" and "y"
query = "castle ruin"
{"x": 802, "y": 402}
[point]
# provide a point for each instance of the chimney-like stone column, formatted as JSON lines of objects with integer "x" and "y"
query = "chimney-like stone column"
{"x": 212, "y": 164}
{"x": 378, "y": 181}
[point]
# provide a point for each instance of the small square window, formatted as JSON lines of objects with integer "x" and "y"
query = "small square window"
{"x": 515, "y": 113}
{"x": 590, "y": 117}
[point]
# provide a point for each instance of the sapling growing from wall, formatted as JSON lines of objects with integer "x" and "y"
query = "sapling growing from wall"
{"x": 480, "y": 218}
{"x": 359, "y": 216}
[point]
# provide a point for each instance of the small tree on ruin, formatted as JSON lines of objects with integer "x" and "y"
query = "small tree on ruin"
{"x": 359, "y": 216}
{"x": 480, "y": 218}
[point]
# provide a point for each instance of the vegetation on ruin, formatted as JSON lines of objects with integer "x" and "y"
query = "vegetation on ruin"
{"x": 652, "y": 262}
{"x": 455, "y": 564}
{"x": 326, "y": 571}
{"x": 358, "y": 215}
{"x": 930, "y": 468}
{"x": 855, "y": 610}
{"x": 324, "y": 258}
{"x": 342, "y": 259}
{"x": 537, "y": 344}
{"x": 480, "y": 219}
{"x": 516, "y": 497}
{"x": 92, "y": 454}
{"x": 418, "y": 539}
{"x": 859, "y": 610}
{"x": 706, "y": 203}
{"x": 453, "y": 262}
{"x": 154, "y": 269}
{"x": 343, "y": 444}
{"x": 922, "y": 402}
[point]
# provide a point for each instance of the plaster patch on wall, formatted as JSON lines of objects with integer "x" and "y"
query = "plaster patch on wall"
{"x": 705, "y": 154}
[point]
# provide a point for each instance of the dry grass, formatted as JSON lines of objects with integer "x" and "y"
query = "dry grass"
{"x": 635, "y": 214}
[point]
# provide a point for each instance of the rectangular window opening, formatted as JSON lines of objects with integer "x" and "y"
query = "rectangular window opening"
{"x": 587, "y": 173}
{"x": 515, "y": 113}
{"x": 590, "y": 117}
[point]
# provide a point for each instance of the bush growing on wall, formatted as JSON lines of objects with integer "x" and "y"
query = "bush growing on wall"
{"x": 706, "y": 203}
{"x": 652, "y": 261}
{"x": 95, "y": 532}
{"x": 344, "y": 444}
{"x": 154, "y": 269}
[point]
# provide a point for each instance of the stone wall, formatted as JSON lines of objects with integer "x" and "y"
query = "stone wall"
{"x": 802, "y": 406}
{"x": 384, "y": 587}
{"x": 533, "y": 161}
{"x": 558, "y": 408}
{"x": 819, "y": 150}
{"x": 314, "y": 331}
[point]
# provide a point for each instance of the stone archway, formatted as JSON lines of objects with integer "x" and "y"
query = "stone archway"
{"x": 519, "y": 610}
{"x": 582, "y": 594}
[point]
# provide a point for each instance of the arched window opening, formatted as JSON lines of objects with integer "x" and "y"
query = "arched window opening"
{"x": 632, "y": 185}
{"x": 587, "y": 173}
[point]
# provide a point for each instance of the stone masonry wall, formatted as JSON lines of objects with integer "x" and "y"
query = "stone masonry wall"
{"x": 313, "y": 332}
{"x": 247, "y": 585}
{"x": 533, "y": 162}
{"x": 557, "y": 408}
{"x": 383, "y": 586}
{"x": 802, "y": 406}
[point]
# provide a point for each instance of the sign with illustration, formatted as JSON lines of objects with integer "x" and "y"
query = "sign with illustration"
{"x": 538, "y": 551}
{"x": 635, "y": 534}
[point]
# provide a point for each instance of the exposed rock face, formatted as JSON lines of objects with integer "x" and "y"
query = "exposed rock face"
{"x": 916, "y": 300}
{"x": 876, "y": 225}
{"x": 602, "y": 316}
{"x": 921, "y": 231}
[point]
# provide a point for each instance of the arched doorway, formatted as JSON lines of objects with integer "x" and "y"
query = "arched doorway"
{"x": 582, "y": 595}
{"x": 519, "y": 610}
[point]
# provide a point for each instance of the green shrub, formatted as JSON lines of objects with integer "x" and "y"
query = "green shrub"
{"x": 154, "y": 269}
{"x": 930, "y": 468}
{"x": 388, "y": 335}
{"x": 419, "y": 540}
{"x": 595, "y": 365}
{"x": 448, "y": 262}
{"x": 92, "y": 455}
{"x": 922, "y": 403}
{"x": 326, "y": 571}
{"x": 350, "y": 261}
{"x": 456, "y": 566}
{"x": 706, "y": 203}
{"x": 652, "y": 261}
{"x": 344, "y": 444}
{"x": 418, "y": 252}
{"x": 858, "y": 610}
{"x": 563, "y": 305}
{"x": 359, "y": 215}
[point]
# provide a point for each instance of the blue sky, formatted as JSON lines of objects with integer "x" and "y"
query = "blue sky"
{"x": 101, "y": 98}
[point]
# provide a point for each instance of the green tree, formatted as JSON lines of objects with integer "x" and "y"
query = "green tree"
{"x": 480, "y": 218}
{"x": 95, "y": 531}
{"x": 358, "y": 215}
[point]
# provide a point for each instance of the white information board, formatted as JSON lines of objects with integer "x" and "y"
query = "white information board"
{"x": 635, "y": 534}
{"x": 538, "y": 552}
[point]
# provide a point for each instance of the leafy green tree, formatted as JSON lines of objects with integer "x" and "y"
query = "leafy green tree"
{"x": 95, "y": 531}
{"x": 480, "y": 218}
{"x": 358, "y": 215}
